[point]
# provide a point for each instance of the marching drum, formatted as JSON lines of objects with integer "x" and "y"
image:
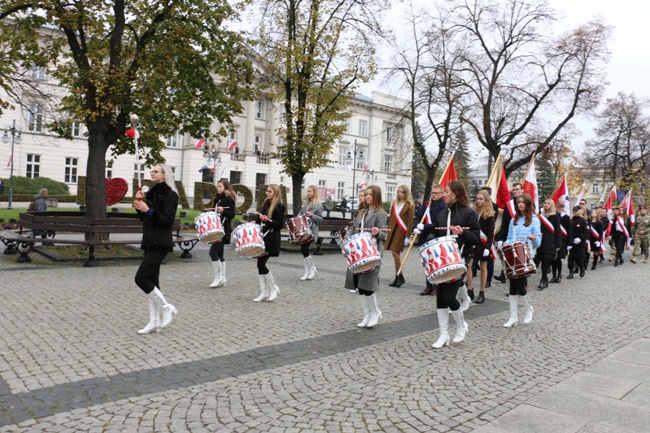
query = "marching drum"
{"x": 208, "y": 227}
{"x": 249, "y": 241}
{"x": 517, "y": 260}
{"x": 441, "y": 260}
{"x": 361, "y": 252}
{"x": 299, "y": 230}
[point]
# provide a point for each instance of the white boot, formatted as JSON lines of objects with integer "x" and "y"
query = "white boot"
{"x": 375, "y": 312}
{"x": 528, "y": 317}
{"x": 154, "y": 316}
{"x": 216, "y": 265}
{"x": 365, "y": 304}
{"x": 306, "y": 263}
{"x": 223, "y": 274}
{"x": 263, "y": 295}
{"x": 443, "y": 324}
{"x": 514, "y": 303}
{"x": 461, "y": 326}
{"x": 464, "y": 298}
{"x": 312, "y": 268}
{"x": 272, "y": 290}
{"x": 168, "y": 310}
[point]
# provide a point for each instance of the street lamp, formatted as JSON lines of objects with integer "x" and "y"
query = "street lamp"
{"x": 353, "y": 160}
{"x": 15, "y": 136}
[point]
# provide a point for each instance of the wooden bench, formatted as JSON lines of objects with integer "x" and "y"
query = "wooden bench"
{"x": 76, "y": 222}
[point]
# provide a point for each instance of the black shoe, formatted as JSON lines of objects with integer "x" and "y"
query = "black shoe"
{"x": 481, "y": 298}
{"x": 488, "y": 284}
{"x": 602, "y": 259}
{"x": 501, "y": 278}
{"x": 395, "y": 281}
{"x": 582, "y": 272}
{"x": 615, "y": 263}
{"x": 470, "y": 293}
{"x": 553, "y": 280}
{"x": 621, "y": 261}
{"x": 559, "y": 278}
{"x": 593, "y": 267}
{"x": 543, "y": 284}
{"x": 400, "y": 280}
{"x": 570, "y": 277}
{"x": 427, "y": 291}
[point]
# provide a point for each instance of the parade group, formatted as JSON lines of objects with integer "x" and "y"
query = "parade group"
{"x": 456, "y": 241}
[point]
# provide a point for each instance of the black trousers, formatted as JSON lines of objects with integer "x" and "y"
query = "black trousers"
{"x": 148, "y": 275}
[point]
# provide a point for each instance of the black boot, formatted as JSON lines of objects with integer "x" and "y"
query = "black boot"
{"x": 470, "y": 293}
{"x": 570, "y": 277}
{"x": 559, "y": 278}
{"x": 481, "y": 298}
{"x": 582, "y": 272}
{"x": 554, "y": 279}
{"x": 593, "y": 266}
{"x": 501, "y": 278}
{"x": 395, "y": 281}
{"x": 543, "y": 283}
{"x": 400, "y": 280}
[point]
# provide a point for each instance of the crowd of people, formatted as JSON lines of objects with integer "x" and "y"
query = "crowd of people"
{"x": 459, "y": 243}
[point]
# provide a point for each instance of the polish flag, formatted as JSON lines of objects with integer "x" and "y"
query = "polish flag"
{"x": 498, "y": 183}
{"x": 530, "y": 185}
{"x": 200, "y": 143}
{"x": 362, "y": 185}
{"x": 562, "y": 193}
{"x": 365, "y": 168}
{"x": 609, "y": 204}
{"x": 449, "y": 174}
{"x": 232, "y": 143}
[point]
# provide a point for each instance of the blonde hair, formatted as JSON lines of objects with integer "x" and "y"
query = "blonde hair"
{"x": 169, "y": 176}
{"x": 362, "y": 204}
{"x": 275, "y": 200}
{"x": 551, "y": 211}
{"x": 408, "y": 198}
{"x": 487, "y": 210}
{"x": 316, "y": 198}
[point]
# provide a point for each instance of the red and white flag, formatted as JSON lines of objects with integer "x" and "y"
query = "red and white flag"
{"x": 498, "y": 183}
{"x": 365, "y": 168}
{"x": 9, "y": 161}
{"x": 362, "y": 185}
{"x": 562, "y": 193}
{"x": 232, "y": 143}
{"x": 609, "y": 204}
{"x": 200, "y": 143}
{"x": 530, "y": 185}
{"x": 629, "y": 206}
{"x": 449, "y": 174}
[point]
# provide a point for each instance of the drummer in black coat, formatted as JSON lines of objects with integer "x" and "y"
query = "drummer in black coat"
{"x": 224, "y": 204}
{"x": 271, "y": 219}
{"x": 595, "y": 238}
{"x": 551, "y": 239}
{"x": 565, "y": 231}
{"x": 459, "y": 220}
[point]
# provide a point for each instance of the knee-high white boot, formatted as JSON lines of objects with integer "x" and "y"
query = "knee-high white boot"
{"x": 528, "y": 316}
{"x": 216, "y": 265}
{"x": 312, "y": 268}
{"x": 271, "y": 288}
{"x": 365, "y": 305}
{"x": 443, "y": 324}
{"x": 306, "y": 263}
{"x": 263, "y": 293}
{"x": 461, "y": 326}
{"x": 154, "y": 316}
{"x": 514, "y": 303}
{"x": 168, "y": 310}
{"x": 223, "y": 274}
{"x": 464, "y": 298}
{"x": 375, "y": 312}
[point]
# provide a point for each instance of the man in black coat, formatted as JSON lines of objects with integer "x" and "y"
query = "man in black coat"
{"x": 426, "y": 222}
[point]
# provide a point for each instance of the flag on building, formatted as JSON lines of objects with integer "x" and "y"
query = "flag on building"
{"x": 362, "y": 185}
{"x": 232, "y": 144}
{"x": 365, "y": 168}
{"x": 530, "y": 184}
{"x": 200, "y": 143}
{"x": 449, "y": 174}
{"x": 562, "y": 193}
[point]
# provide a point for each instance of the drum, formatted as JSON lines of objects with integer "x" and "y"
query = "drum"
{"x": 248, "y": 240}
{"x": 299, "y": 230}
{"x": 208, "y": 227}
{"x": 517, "y": 260}
{"x": 361, "y": 252}
{"x": 441, "y": 260}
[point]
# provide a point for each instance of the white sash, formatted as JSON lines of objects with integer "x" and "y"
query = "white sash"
{"x": 398, "y": 219}
{"x": 547, "y": 223}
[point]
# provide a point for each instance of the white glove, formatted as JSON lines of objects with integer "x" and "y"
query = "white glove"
{"x": 486, "y": 253}
{"x": 577, "y": 240}
{"x": 499, "y": 244}
{"x": 420, "y": 227}
{"x": 416, "y": 231}
{"x": 568, "y": 248}
{"x": 407, "y": 242}
{"x": 597, "y": 244}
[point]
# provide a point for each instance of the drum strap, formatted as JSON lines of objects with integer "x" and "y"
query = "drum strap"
{"x": 449, "y": 230}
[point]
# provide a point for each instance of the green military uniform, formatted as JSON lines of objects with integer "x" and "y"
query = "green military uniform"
{"x": 641, "y": 237}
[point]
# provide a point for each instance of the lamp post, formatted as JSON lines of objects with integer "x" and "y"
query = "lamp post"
{"x": 354, "y": 175}
{"x": 15, "y": 136}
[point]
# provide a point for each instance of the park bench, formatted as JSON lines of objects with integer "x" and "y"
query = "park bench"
{"x": 76, "y": 222}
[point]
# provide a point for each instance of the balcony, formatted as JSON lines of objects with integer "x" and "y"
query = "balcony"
{"x": 390, "y": 176}
{"x": 237, "y": 157}
{"x": 263, "y": 159}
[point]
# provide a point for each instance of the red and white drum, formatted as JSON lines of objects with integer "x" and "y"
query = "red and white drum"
{"x": 517, "y": 260}
{"x": 361, "y": 252}
{"x": 208, "y": 227}
{"x": 299, "y": 230}
{"x": 248, "y": 240}
{"x": 441, "y": 260}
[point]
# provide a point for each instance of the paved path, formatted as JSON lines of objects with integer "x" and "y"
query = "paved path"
{"x": 71, "y": 360}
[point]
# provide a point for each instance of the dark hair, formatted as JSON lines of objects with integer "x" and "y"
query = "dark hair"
{"x": 228, "y": 191}
{"x": 528, "y": 213}
{"x": 459, "y": 191}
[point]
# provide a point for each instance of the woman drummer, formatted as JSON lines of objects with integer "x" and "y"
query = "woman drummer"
{"x": 461, "y": 221}
{"x": 525, "y": 226}
{"x": 271, "y": 219}
{"x": 400, "y": 226}
{"x": 371, "y": 219}
{"x": 224, "y": 203}
{"x": 314, "y": 211}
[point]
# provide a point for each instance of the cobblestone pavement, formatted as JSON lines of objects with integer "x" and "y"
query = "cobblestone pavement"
{"x": 71, "y": 360}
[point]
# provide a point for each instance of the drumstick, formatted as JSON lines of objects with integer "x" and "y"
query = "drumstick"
{"x": 366, "y": 229}
{"x": 522, "y": 239}
{"x": 414, "y": 238}
{"x": 447, "y": 228}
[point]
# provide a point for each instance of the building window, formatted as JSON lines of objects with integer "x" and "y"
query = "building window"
{"x": 322, "y": 183}
{"x": 235, "y": 177}
{"x": 109, "y": 169}
{"x": 346, "y": 125}
{"x": 388, "y": 163}
{"x": 76, "y": 129}
{"x": 390, "y": 193}
{"x": 38, "y": 73}
{"x": 391, "y": 134}
{"x": 138, "y": 171}
{"x": 595, "y": 188}
{"x": 35, "y": 120}
{"x": 343, "y": 154}
{"x": 33, "y": 168}
{"x": 259, "y": 147}
{"x": 259, "y": 106}
{"x": 363, "y": 128}
{"x": 340, "y": 190}
{"x": 70, "y": 174}
{"x": 174, "y": 140}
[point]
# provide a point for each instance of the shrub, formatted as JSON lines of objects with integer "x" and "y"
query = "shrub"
{"x": 25, "y": 185}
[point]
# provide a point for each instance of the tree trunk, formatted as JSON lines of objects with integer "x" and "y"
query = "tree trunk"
{"x": 95, "y": 177}
{"x": 296, "y": 194}
{"x": 431, "y": 173}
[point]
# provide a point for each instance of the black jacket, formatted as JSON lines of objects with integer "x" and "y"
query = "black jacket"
{"x": 226, "y": 216}
{"x": 551, "y": 242}
{"x": 580, "y": 230}
{"x": 271, "y": 230}
{"x": 567, "y": 240}
{"x": 435, "y": 207}
{"x": 461, "y": 216}
{"x": 158, "y": 222}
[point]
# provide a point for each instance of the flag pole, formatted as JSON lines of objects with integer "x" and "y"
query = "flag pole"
{"x": 529, "y": 164}
{"x": 451, "y": 158}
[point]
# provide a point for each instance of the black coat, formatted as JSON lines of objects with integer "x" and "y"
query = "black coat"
{"x": 579, "y": 229}
{"x": 435, "y": 207}
{"x": 158, "y": 222}
{"x": 567, "y": 240}
{"x": 226, "y": 216}
{"x": 505, "y": 224}
{"x": 271, "y": 230}
{"x": 460, "y": 216}
{"x": 551, "y": 242}
{"x": 487, "y": 227}
{"x": 598, "y": 228}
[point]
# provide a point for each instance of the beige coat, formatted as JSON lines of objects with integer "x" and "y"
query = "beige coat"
{"x": 395, "y": 238}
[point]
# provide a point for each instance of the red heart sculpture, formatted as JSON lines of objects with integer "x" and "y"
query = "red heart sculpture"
{"x": 116, "y": 189}
{"x": 130, "y": 133}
